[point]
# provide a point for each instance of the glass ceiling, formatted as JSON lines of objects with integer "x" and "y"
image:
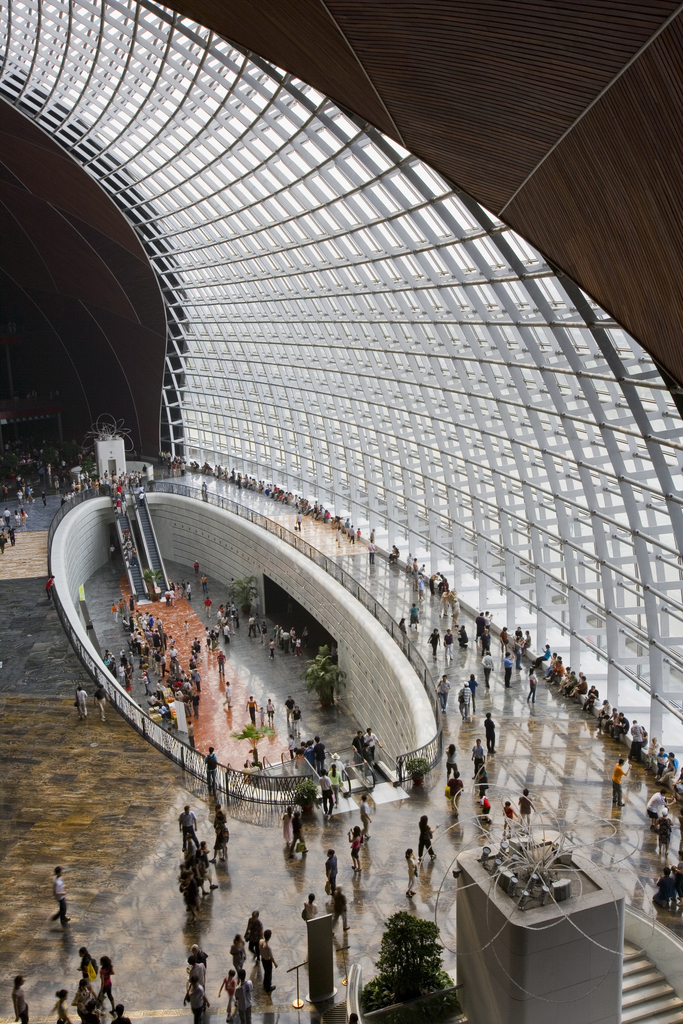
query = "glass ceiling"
{"x": 344, "y": 323}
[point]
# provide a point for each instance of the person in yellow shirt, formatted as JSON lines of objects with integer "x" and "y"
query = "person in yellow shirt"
{"x": 618, "y": 775}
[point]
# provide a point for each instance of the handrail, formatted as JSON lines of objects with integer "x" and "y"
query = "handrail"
{"x": 431, "y": 750}
{"x": 231, "y": 783}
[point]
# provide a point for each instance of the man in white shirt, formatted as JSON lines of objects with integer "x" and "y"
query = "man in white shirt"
{"x": 188, "y": 822}
{"x": 371, "y": 553}
{"x": 488, "y": 665}
{"x": 655, "y": 806}
{"x": 59, "y": 893}
{"x": 369, "y": 743}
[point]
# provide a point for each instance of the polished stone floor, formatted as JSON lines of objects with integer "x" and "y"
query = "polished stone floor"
{"x": 96, "y": 799}
{"x": 248, "y": 667}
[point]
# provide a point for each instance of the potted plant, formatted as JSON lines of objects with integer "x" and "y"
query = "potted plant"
{"x": 305, "y": 793}
{"x": 254, "y": 733}
{"x": 416, "y": 768}
{"x": 410, "y": 965}
{"x": 323, "y": 676}
{"x": 152, "y": 577}
{"x": 244, "y": 592}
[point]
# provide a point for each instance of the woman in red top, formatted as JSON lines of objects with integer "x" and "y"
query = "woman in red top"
{"x": 106, "y": 972}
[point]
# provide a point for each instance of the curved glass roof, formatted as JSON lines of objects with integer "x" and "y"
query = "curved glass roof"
{"x": 346, "y": 324}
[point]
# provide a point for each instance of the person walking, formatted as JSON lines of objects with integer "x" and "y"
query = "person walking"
{"x": 525, "y": 808}
{"x": 336, "y": 778}
{"x": 243, "y": 996}
{"x": 478, "y": 757}
{"x": 59, "y": 893}
{"x": 443, "y": 688}
{"x": 310, "y": 909}
{"x": 464, "y": 702}
{"x": 229, "y": 983}
{"x": 268, "y": 961}
{"x": 339, "y": 908}
{"x": 473, "y": 684}
{"x": 237, "y": 952}
{"x": 355, "y": 839}
{"x": 434, "y": 640}
{"x": 287, "y": 829}
{"x": 371, "y": 553}
{"x": 426, "y": 834}
{"x": 196, "y": 997}
{"x": 664, "y": 830}
{"x": 252, "y": 706}
{"x": 490, "y": 729}
{"x": 413, "y": 865}
{"x": 507, "y": 666}
{"x": 533, "y": 683}
{"x": 81, "y": 702}
{"x": 19, "y": 1000}
{"x": 187, "y": 823}
{"x": 326, "y": 791}
{"x": 60, "y": 1007}
{"x": 488, "y": 665}
{"x": 331, "y": 868}
{"x": 100, "y": 699}
{"x": 365, "y": 803}
{"x": 618, "y": 776}
{"x": 106, "y": 974}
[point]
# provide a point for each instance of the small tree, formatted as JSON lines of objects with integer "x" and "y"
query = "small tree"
{"x": 244, "y": 592}
{"x": 410, "y": 962}
{"x": 50, "y": 456}
{"x": 254, "y": 733}
{"x": 323, "y": 676}
{"x": 88, "y": 465}
{"x": 152, "y": 578}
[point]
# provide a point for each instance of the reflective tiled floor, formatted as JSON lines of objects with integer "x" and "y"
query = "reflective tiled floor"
{"x": 94, "y": 797}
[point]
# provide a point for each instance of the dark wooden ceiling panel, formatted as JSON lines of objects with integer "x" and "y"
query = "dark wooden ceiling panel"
{"x": 77, "y": 280}
{"x": 607, "y": 204}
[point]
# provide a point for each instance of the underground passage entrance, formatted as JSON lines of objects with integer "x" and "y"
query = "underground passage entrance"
{"x": 282, "y": 609}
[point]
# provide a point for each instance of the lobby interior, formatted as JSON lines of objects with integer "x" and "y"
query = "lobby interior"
{"x": 242, "y": 236}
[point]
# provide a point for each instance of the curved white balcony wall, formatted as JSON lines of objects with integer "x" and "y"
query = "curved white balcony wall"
{"x": 383, "y": 690}
{"x": 346, "y": 323}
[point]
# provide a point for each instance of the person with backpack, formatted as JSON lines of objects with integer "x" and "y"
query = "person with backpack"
{"x": 211, "y": 762}
{"x": 464, "y": 700}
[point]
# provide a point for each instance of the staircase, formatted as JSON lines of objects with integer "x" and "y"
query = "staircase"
{"x": 134, "y": 572}
{"x": 152, "y": 552}
{"x": 647, "y": 996}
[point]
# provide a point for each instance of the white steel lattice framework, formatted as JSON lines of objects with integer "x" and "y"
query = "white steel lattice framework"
{"x": 346, "y": 324}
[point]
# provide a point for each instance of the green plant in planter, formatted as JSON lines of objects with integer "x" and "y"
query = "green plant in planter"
{"x": 417, "y": 767}
{"x": 152, "y": 578}
{"x": 50, "y": 455}
{"x": 88, "y": 466}
{"x": 410, "y": 963}
{"x": 243, "y": 592}
{"x": 305, "y": 793}
{"x": 254, "y": 733}
{"x": 323, "y": 676}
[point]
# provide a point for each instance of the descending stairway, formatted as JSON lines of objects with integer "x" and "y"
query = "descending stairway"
{"x": 647, "y": 996}
{"x": 134, "y": 572}
{"x": 154, "y": 559}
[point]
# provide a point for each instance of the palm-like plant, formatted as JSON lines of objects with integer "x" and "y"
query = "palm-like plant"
{"x": 244, "y": 592}
{"x": 152, "y": 578}
{"x": 323, "y": 676}
{"x": 254, "y": 733}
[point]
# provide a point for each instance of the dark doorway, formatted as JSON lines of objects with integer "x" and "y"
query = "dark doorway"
{"x": 282, "y": 609}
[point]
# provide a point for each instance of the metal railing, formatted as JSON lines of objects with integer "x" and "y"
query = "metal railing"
{"x": 431, "y": 751}
{"x": 231, "y": 784}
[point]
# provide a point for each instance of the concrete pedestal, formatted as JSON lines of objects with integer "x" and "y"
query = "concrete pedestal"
{"x": 550, "y": 963}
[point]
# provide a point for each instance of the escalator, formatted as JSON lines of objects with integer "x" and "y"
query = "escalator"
{"x": 133, "y": 569}
{"x": 149, "y": 540}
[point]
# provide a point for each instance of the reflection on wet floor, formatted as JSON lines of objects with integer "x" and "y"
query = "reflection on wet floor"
{"x": 95, "y": 798}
